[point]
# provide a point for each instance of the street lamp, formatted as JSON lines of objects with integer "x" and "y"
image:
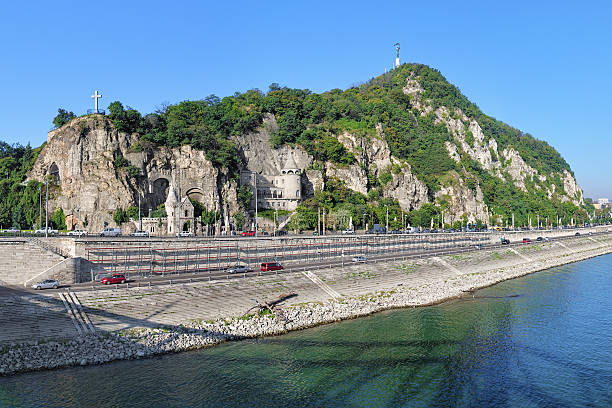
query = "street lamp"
{"x": 47, "y": 208}
{"x": 39, "y": 206}
{"x": 387, "y": 221}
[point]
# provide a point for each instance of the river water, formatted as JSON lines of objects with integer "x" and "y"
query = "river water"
{"x": 544, "y": 340}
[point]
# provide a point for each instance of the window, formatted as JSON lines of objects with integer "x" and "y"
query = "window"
{"x": 186, "y": 213}
{"x": 297, "y": 193}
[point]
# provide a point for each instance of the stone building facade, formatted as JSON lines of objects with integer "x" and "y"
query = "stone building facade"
{"x": 282, "y": 191}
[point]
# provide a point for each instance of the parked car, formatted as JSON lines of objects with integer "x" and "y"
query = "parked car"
{"x": 184, "y": 234}
{"x": 114, "y": 278}
{"x": 46, "y": 284}
{"x": 140, "y": 234}
{"x": 348, "y": 231}
{"x": 271, "y": 266}
{"x": 110, "y": 232}
{"x": 359, "y": 258}
{"x": 50, "y": 231}
{"x": 546, "y": 239}
{"x": 77, "y": 233}
{"x": 11, "y": 230}
{"x": 247, "y": 233}
{"x": 539, "y": 239}
{"x": 505, "y": 241}
{"x": 577, "y": 234}
{"x": 238, "y": 269}
{"x": 526, "y": 240}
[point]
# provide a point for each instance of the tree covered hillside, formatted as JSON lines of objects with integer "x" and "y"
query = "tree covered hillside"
{"x": 379, "y": 108}
{"x": 19, "y": 201}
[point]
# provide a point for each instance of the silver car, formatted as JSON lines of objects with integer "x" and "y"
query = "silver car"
{"x": 359, "y": 258}
{"x": 46, "y": 284}
{"x": 238, "y": 269}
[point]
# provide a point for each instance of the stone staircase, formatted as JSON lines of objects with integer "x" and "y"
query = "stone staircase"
{"x": 21, "y": 260}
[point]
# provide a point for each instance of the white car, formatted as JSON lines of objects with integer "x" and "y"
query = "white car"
{"x": 110, "y": 232}
{"x": 184, "y": 234}
{"x": 348, "y": 231}
{"x": 49, "y": 231}
{"x": 77, "y": 233}
{"x": 239, "y": 269}
{"x": 359, "y": 258}
{"x": 46, "y": 284}
{"x": 140, "y": 234}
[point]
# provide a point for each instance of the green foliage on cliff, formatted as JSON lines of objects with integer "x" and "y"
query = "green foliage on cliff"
{"x": 19, "y": 203}
{"x": 63, "y": 117}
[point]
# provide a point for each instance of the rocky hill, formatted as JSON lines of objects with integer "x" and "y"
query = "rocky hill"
{"x": 407, "y": 142}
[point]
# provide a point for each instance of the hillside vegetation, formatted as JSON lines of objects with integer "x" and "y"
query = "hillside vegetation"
{"x": 379, "y": 108}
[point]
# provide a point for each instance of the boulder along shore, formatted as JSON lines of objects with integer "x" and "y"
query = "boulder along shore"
{"x": 136, "y": 343}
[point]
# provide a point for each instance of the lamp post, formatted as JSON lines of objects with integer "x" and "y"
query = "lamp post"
{"x": 47, "y": 208}
{"x": 365, "y": 227}
{"x": 39, "y": 206}
{"x": 387, "y": 220}
{"x": 255, "y": 174}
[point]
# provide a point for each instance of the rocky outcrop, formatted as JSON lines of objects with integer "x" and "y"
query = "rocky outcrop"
{"x": 93, "y": 183}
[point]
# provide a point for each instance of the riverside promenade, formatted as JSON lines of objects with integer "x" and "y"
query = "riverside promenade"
{"x": 96, "y": 326}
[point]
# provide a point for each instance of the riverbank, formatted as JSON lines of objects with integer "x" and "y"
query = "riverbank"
{"x": 414, "y": 283}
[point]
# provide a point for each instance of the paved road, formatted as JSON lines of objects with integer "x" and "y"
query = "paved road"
{"x": 220, "y": 274}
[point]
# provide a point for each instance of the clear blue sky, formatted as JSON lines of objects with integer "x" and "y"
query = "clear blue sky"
{"x": 542, "y": 67}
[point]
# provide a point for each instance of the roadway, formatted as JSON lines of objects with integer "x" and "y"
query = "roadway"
{"x": 216, "y": 274}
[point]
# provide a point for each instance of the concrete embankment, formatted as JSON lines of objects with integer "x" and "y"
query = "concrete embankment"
{"x": 140, "y": 322}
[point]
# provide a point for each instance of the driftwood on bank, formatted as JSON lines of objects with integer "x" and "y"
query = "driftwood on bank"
{"x": 273, "y": 305}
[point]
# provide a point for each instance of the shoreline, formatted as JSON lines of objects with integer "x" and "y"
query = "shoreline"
{"x": 137, "y": 343}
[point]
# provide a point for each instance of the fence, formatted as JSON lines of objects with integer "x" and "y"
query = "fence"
{"x": 212, "y": 256}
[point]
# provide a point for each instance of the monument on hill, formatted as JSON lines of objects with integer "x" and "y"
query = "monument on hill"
{"x": 397, "y": 60}
{"x": 95, "y": 97}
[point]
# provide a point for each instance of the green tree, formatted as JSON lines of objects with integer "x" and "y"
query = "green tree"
{"x": 120, "y": 216}
{"x": 63, "y": 117}
{"x": 239, "y": 220}
{"x": 244, "y": 195}
{"x": 132, "y": 212}
{"x": 58, "y": 219}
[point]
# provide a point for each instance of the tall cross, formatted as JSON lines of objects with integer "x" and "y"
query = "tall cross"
{"x": 95, "y": 97}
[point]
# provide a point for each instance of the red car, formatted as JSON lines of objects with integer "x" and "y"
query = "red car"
{"x": 248, "y": 233}
{"x": 114, "y": 278}
{"x": 271, "y": 266}
{"x": 526, "y": 240}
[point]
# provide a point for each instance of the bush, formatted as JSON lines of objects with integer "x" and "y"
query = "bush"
{"x": 120, "y": 216}
{"x": 63, "y": 117}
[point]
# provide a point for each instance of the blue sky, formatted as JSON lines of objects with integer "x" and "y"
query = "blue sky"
{"x": 542, "y": 67}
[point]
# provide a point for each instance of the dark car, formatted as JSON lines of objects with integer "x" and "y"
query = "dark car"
{"x": 505, "y": 241}
{"x": 577, "y": 234}
{"x": 539, "y": 239}
{"x": 114, "y": 278}
{"x": 271, "y": 266}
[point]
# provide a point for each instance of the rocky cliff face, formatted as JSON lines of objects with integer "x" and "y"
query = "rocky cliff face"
{"x": 83, "y": 155}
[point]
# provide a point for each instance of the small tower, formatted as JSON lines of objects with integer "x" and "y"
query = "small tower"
{"x": 397, "y": 60}
{"x": 292, "y": 176}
